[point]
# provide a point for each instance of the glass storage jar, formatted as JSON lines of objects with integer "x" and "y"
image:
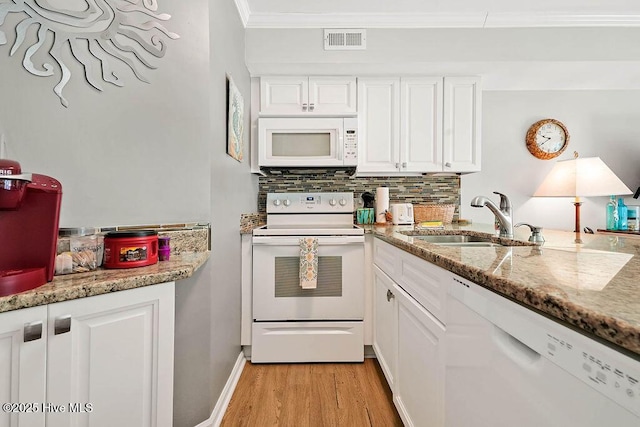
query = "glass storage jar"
{"x": 86, "y": 250}
{"x": 633, "y": 218}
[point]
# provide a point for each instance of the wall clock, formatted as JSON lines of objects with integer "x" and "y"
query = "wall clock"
{"x": 547, "y": 139}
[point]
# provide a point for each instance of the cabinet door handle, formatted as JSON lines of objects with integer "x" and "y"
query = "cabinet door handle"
{"x": 448, "y": 164}
{"x": 390, "y": 295}
{"x": 397, "y": 165}
{"x": 304, "y": 107}
{"x": 62, "y": 325}
{"x": 404, "y": 165}
{"x": 32, "y": 331}
{"x": 311, "y": 106}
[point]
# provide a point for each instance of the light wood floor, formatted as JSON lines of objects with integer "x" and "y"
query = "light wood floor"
{"x": 315, "y": 394}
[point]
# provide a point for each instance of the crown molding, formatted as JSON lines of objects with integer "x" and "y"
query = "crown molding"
{"x": 538, "y": 20}
{"x": 429, "y": 20}
{"x": 243, "y": 11}
{"x": 364, "y": 20}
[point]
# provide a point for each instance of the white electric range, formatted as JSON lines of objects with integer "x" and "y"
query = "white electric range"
{"x": 323, "y": 324}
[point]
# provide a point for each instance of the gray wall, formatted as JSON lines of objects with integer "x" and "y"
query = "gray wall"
{"x": 234, "y": 190}
{"x": 507, "y": 59}
{"x": 208, "y": 307}
{"x": 588, "y": 78}
{"x": 153, "y": 153}
{"x": 601, "y": 124}
{"x": 132, "y": 155}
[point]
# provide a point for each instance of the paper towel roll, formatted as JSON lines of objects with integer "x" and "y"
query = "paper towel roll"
{"x": 382, "y": 204}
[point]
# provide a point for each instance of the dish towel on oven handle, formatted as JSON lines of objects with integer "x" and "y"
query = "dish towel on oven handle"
{"x": 308, "y": 262}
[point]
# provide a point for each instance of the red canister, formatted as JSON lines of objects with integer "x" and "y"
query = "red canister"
{"x": 127, "y": 249}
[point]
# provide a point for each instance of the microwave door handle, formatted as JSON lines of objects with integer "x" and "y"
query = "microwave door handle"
{"x": 340, "y": 145}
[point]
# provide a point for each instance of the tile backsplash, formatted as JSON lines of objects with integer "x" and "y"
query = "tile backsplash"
{"x": 425, "y": 189}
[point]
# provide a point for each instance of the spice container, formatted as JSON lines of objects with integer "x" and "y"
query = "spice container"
{"x": 127, "y": 249}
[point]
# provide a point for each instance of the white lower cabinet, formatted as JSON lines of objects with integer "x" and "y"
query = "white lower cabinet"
{"x": 385, "y": 324}
{"x": 23, "y": 360}
{"x": 419, "y": 383}
{"x": 409, "y": 338}
{"x": 109, "y": 360}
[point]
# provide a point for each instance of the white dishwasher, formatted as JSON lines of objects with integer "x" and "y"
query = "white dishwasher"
{"x": 507, "y": 366}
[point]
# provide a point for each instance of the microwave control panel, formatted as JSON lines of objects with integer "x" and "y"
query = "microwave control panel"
{"x": 351, "y": 144}
{"x": 351, "y": 141}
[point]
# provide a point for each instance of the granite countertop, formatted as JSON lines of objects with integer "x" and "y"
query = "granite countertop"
{"x": 189, "y": 251}
{"x": 593, "y": 286}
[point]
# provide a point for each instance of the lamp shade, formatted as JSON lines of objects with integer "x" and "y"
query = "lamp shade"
{"x": 581, "y": 177}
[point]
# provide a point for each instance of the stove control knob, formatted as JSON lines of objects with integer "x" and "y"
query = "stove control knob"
{"x": 343, "y": 202}
{"x": 287, "y": 202}
{"x": 332, "y": 202}
{"x": 276, "y": 202}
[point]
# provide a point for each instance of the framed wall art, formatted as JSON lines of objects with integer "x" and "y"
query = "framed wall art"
{"x": 235, "y": 121}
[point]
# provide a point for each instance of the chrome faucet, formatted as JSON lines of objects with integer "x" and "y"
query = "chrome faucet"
{"x": 504, "y": 214}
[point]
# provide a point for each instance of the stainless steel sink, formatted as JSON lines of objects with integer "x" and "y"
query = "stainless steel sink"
{"x": 457, "y": 240}
{"x": 452, "y": 238}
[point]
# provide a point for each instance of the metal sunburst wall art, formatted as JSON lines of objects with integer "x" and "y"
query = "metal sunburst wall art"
{"x": 97, "y": 33}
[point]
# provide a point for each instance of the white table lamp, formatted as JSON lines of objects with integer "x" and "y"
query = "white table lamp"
{"x": 580, "y": 177}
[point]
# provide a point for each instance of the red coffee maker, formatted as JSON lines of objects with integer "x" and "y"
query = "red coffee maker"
{"x": 29, "y": 216}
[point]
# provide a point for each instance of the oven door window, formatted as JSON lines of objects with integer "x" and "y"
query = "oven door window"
{"x": 277, "y": 294}
{"x": 287, "y": 278}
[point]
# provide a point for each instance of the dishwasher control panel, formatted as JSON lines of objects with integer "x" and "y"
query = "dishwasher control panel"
{"x": 611, "y": 373}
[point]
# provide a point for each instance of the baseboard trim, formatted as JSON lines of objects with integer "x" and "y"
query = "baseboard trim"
{"x": 369, "y": 353}
{"x": 225, "y": 397}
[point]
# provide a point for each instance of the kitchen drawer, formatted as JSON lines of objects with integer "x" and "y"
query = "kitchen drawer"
{"x": 384, "y": 256}
{"x": 425, "y": 282}
{"x": 307, "y": 342}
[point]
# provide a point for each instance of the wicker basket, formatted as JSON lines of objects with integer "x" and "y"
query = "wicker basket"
{"x": 442, "y": 213}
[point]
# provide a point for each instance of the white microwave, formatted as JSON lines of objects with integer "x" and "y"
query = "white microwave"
{"x": 307, "y": 142}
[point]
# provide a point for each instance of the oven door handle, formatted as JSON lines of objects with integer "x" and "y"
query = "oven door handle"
{"x": 295, "y": 241}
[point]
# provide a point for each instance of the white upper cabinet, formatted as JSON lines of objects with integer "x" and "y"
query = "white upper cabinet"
{"x": 332, "y": 95}
{"x": 283, "y": 95}
{"x": 302, "y": 95}
{"x": 419, "y": 124}
{"x": 462, "y": 124}
{"x": 378, "y": 123}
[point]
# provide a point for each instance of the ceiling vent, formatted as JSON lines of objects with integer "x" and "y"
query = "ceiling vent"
{"x": 340, "y": 39}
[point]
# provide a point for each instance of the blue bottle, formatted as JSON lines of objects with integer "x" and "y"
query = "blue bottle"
{"x": 612, "y": 214}
{"x": 622, "y": 215}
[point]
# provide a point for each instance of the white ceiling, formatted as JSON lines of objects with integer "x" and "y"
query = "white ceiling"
{"x": 437, "y": 13}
